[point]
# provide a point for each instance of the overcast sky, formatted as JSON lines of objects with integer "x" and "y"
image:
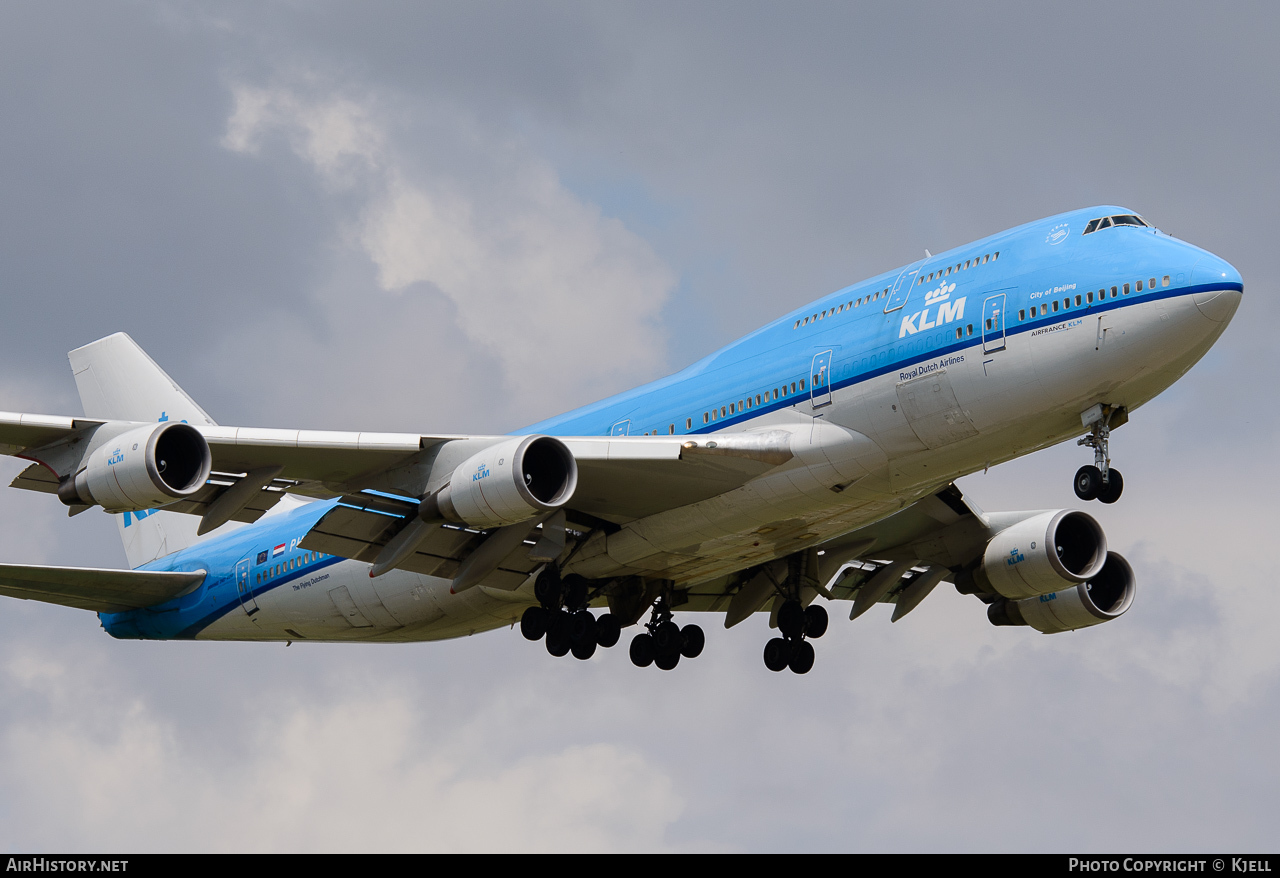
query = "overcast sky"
{"x": 466, "y": 217}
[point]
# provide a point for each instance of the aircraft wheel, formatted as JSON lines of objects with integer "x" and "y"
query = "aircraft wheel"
{"x": 791, "y": 619}
{"x": 608, "y": 630}
{"x": 666, "y": 639}
{"x": 557, "y": 643}
{"x": 533, "y": 624}
{"x": 1110, "y": 492}
{"x": 691, "y": 641}
{"x": 1088, "y": 482}
{"x": 667, "y": 662}
{"x": 802, "y": 658}
{"x": 642, "y": 650}
{"x": 776, "y": 654}
{"x": 575, "y": 590}
{"x": 581, "y": 627}
{"x": 815, "y": 620}
{"x": 546, "y": 588}
{"x": 584, "y": 650}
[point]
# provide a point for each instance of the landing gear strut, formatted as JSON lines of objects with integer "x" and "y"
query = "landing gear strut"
{"x": 563, "y": 618}
{"x": 792, "y": 650}
{"x": 1100, "y": 481}
{"x": 664, "y": 642}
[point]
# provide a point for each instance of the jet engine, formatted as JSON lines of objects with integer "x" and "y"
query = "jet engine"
{"x": 142, "y": 468}
{"x": 1042, "y": 555}
{"x": 506, "y": 483}
{"x": 1101, "y": 599}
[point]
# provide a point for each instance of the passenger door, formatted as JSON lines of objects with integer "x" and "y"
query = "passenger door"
{"x": 244, "y": 587}
{"x": 820, "y": 375}
{"x": 993, "y": 323}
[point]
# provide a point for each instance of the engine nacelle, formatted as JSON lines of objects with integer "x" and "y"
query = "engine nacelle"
{"x": 1105, "y": 597}
{"x": 1043, "y": 554}
{"x": 141, "y": 469}
{"x": 506, "y": 483}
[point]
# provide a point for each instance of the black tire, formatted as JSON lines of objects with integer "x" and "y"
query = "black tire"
{"x": 533, "y": 624}
{"x": 575, "y": 591}
{"x": 801, "y": 658}
{"x": 581, "y": 627}
{"x": 1088, "y": 482}
{"x": 557, "y": 644}
{"x": 777, "y": 653}
{"x": 1111, "y": 491}
{"x": 815, "y": 620}
{"x": 557, "y": 623}
{"x": 691, "y": 641}
{"x": 608, "y": 630}
{"x": 546, "y": 588}
{"x": 584, "y": 650}
{"x": 667, "y": 662}
{"x": 642, "y": 650}
{"x": 666, "y": 639}
{"x": 791, "y": 619}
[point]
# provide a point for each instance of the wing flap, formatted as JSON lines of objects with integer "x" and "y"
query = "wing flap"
{"x": 102, "y": 591}
{"x": 356, "y": 528}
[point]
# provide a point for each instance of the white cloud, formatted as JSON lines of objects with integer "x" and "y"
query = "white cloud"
{"x": 365, "y": 773}
{"x": 538, "y": 280}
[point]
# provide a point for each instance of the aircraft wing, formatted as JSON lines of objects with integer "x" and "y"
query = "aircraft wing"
{"x": 103, "y": 591}
{"x": 620, "y": 478}
{"x": 898, "y": 560}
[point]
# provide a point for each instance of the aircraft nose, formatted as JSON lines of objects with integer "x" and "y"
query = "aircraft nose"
{"x": 1219, "y": 288}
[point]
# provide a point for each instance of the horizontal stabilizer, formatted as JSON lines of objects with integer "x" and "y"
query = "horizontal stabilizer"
{"x": 88, "y": 588}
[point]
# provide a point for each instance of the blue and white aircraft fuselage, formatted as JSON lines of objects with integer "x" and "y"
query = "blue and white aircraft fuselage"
{"x": 853, "y": 415}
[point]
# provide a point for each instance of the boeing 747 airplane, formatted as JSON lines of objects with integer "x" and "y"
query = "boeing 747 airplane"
{"x": 814, "y": 458}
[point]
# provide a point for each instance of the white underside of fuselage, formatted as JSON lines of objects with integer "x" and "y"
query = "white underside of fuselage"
{"x": 936, "y": 419}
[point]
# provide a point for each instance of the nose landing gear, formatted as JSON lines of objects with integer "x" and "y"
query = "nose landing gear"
{"x": 1100, "y": 481}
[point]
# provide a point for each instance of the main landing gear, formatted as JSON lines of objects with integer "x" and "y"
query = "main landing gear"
{"x": 1100, "y": 481}
{"x": 563, "y": 618}
{"x": 792, "y": 650}
{"x": 664, "y": 642}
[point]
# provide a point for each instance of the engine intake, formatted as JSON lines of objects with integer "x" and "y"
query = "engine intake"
{"x": 1105, "y": 597}
{"x": 141, "y": 469}
{"x": 506, "y": 483}
{"x": 1042, "y": 554}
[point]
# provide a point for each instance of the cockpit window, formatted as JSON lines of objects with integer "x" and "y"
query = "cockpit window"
{"x": 1106, "y": 222}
